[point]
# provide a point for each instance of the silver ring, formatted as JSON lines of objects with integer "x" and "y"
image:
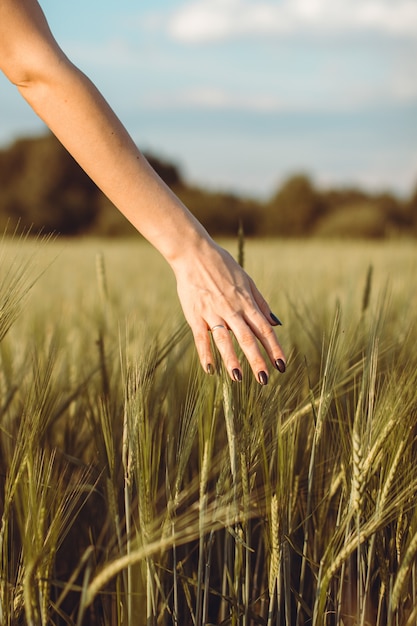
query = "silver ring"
{"x": 217, "y": 326}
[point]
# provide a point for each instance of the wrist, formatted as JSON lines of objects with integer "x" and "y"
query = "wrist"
{"x": 186, "y": 244}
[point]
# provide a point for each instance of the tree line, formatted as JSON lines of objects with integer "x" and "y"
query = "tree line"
{"x": 43, "y": 188}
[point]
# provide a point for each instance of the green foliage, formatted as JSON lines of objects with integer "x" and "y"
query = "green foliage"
{"x": 137, "y": 490}
{"x": 411, "y": 211}
{"x": 43, "y": 188}
{"x": 293, "y": 209}
{"x": 363, "y": 220}
{"x": 221, "y": 213}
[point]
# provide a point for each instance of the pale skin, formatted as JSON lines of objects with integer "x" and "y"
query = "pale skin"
{"x": 213, "y": 289}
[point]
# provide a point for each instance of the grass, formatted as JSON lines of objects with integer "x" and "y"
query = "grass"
{"x": 135, "y": 489}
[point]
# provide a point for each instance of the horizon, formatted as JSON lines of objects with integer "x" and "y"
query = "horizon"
{"x": 241, "y": 95}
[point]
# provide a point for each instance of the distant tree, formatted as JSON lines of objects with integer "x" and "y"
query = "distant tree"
{"x": 395, "y": 213}
{"x": 221, "y": 212}
{"x": 361, "y": 214}
{"x": 42, "y": 186}
{"x": 411, "y": 210}
{"x": 359, "y": 220}
{"x": 109, "y": 222}
{"x": 169, "y": 172}
{"x": 293, "y": 210}
{"x": 337, "y": 198}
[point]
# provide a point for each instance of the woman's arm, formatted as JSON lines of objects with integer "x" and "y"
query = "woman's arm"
{"x": 212, "y": 288}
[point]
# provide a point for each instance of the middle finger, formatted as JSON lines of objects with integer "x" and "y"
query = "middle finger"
{"x": 249, "y": 343}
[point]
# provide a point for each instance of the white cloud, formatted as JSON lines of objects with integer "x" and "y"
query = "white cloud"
{"x": 207, "y": 20}
{"x": 215, "y": 98}
{"x": 397, "y": 93}
{"x": 110, "y": 53}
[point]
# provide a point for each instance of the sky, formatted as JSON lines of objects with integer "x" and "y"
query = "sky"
{"x": 241, "y": 94}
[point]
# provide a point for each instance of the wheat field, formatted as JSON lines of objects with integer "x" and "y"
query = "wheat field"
{"x": 137, "y": 490}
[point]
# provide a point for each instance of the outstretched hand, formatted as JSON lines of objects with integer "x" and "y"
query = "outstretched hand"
{"x": 218, "y": 296}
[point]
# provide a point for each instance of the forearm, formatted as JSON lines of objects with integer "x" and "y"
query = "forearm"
{"x": 214, "y": 291}
{"x": 78, "y": 115}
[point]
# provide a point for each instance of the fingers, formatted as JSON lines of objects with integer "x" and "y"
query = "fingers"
{"x": 203, "y": 345}
{"x": 224, "y": 344}
{"x": 220, "y": 301}
{"x": 250, "y": 332}
{"x": 263, "y": 305}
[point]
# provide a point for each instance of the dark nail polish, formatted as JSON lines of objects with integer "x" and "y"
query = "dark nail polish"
{"x": 280, "y": 365}
{"x": 275, "y": 319}
{"x": 237, "y": 375}
{"x": 210, "y": 369}
{"x": 263, "y": 378}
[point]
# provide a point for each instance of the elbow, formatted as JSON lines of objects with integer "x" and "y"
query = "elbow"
{"x": 19, "y": 77}
{"x": 17, "y": 66}
{"x": 24, "y": 70}
{"x": 19, "y": 73}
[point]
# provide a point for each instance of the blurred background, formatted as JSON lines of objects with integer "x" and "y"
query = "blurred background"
{"x": 279, "y": 112}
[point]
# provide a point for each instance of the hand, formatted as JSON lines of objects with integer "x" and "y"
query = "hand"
{"x": 217, "y": 295}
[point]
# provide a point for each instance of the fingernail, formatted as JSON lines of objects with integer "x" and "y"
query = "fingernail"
{"x": 210, "y": 369}
{"x": 280, "y": 365}
{"x": 263, "y": 378}
{"x": 275, "y": 319}
{"x": 237, "y": 375}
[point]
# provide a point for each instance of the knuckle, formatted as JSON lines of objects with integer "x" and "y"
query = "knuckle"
{"x": 246, "y": 340}
{"x": 201, "y": 337}
{"x": 253, "y": 312}
{"x": 222, "y": 339}
{"x": 268, "y": 332}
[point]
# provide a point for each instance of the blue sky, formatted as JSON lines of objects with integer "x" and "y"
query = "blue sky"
{"x": 242, "y": 93}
